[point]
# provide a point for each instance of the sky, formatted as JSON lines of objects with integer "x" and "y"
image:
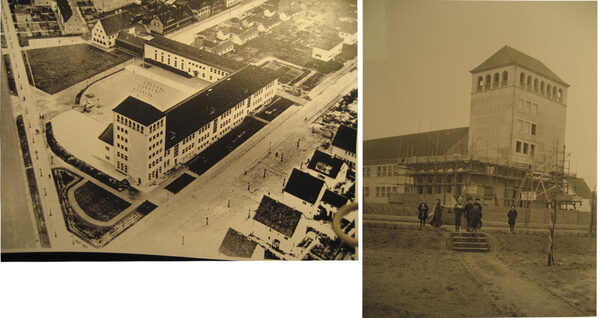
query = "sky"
{"x": 418, "y": 54}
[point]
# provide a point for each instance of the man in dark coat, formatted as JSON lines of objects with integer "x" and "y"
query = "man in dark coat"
{"x": 423, "y": 214}
{"x": 458, "y": 212}
{"x": 476, "y": 214}
{"x": 466, "y": 213}
{"x": 512, "y": 218}
{"x": 438, "y": 209}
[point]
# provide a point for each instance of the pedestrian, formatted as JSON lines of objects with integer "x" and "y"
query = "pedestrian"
{"x": 512, "y": 217}
{"x": 437, "y": 214}
{"x": 423, "y": 214}
{"x": 467, "y": 212}
{"x": 475, "y": 215}
{"x": 458, "y": 213}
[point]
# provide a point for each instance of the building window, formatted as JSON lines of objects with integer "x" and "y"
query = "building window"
{"x": 533, "y": 129}
{"x": 518, "y": 148}
{"x": 525, "y": 148}
{"x": 532, "y": 150}
{"x": 504, "y": 78}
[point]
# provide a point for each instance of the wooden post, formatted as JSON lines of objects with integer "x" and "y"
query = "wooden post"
{"x": 551, "y": 248}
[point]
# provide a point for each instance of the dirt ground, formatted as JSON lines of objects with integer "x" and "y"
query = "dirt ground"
{"x": 412, "y": 273}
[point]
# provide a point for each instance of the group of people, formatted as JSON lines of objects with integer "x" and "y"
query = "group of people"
{"x": 472, "y": 213}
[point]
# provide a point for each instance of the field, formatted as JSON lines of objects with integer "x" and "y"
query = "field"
{"x": 99, "y": 203}
{"x": 57, "y": 68}
{"x": 412, "y": 273}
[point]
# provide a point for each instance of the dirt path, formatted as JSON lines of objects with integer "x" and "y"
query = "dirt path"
{"x": 513, "y": 292}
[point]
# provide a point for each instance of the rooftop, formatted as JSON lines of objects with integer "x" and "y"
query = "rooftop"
{"x": 65, "y": 9}
{"x": 196, "y": 54}
{"x": 236, "y": 244}
{"x": 580, "y": 187}
{"x": 116, "y": 23}
{"x": 138, "y": 111}
{"x": 334, "y": 199}
{"x": 277, "y": 216}
{"x": 509, "y": 56}
{"x": 304, "y": 186}
{"x": 130, "y": 39}
{"x": 107, "y": 135}
{"x": 203, "y": 107}
{"x": 329, "y": 42}
{"x": 345, "y": 138}
{"x": 439, "y": 142}
{"x": 325, "y": 164}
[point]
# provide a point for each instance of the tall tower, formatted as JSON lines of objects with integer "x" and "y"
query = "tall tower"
{"x": 518, "y": 110}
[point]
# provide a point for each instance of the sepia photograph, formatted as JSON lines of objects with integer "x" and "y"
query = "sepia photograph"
{"x": 479, "y": 159}
{"x": 195, "y": 129}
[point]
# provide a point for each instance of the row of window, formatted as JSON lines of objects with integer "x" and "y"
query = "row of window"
{"x": 119, "y": 137}
{"x": 488, "y": 81}
{"x": 123, "y": 130}
{"x": 540, "y": 87}
{"x": 380, "y": 192}
{"x": 120, "y": 147}
{"x": 154, "y": 163}
{"x": 156, "y": 125}
{"x": 129, "y": 123}
{"x": 382, "y": 171}
{"x": 154, "y": 174}
{"x": 122, "y": 167}
{"x": 122, "y": 155}
{"x": 154, "y": 145}
{"x": 160, "y": 133}
{"x": 526, "y": 127}
{"x": 524, "y": 148}
{"x": 527, "y": 106}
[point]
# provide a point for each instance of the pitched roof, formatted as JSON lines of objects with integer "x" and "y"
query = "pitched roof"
{"x": 173, "y": 14}
{"x": 245, "y": 35}
{"x": 304, "y": 186}
{"x": 345, "y": 138}
{"x": 203, "y": 107}
{"x": 277, "y": 216}
{"x": 115, "y": 23}
{"x": 196, "y": 54}
{"x": 439, "y": 142}
{"x": 138, "y": 111}
{"x": 236, "y": 244}
{"x": 65, "y": 9}
{"x": 130, "y": 39}
{"x": 580, "y": 187}
{"x": 509, "y": 56}
{"x": 107, "y": 135}
{"x": 334, "y": 199}
{"x": 325, "y": 164}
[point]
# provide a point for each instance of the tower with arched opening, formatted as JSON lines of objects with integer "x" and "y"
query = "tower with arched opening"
{"x": 521, "y": 116}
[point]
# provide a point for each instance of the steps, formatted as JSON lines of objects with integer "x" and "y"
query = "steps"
{"x": 470, "y": 242}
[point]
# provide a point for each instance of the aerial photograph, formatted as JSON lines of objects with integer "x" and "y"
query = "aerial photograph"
{"x": 211, "y": 129}
{"x": 479, "y": 159}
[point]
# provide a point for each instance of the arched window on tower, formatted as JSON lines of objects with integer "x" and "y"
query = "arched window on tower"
{"x": 542, "y": 88}
{"x": 504, "y": 78}
{"x": 522, "y": 80}
{"x": 496, "y": 80}
{"x": 529, "y": 82}
{"x": 554, "y": 92}
{"x": 488, "y": 79}
{"x": 535, "y": 85}
{"x": 479, "y": 83}
{"x": 560, "y": 95}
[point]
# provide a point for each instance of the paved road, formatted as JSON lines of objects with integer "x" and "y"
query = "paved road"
{"x": 40, "y": 154}
{"x": 159, "y": 230}
{"x": 188, "y": 34}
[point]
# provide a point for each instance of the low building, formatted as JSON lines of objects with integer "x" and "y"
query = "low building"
{"x": 42, "y": 3}
{"x": 201, "y": 8}
{"x": 331, "y": 202}
{"x": 328, "y": 48}
{"x": 231, "y": 3}
{"x": 303, "y": 192}
{"x": 106, "y": 30}
{"x": 348, "y": 32}
{"x": 67, "y": 19}
{"x": 278, "y": 224}
{"x": 241, "y": 36}
{"x": 219, "y": 48}
{"x": 171, "y": 18}
{"x": 152, "y": 139}
{"x": 266, "y": 24}
{"x": 343, "y": 145}
{"x": 190, "y": 60}
{"x": 327, "y": 168}
{"x": 130, "y": 43}
{"x": 109, "y": 5}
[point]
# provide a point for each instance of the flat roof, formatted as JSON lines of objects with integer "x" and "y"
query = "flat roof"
{"x": 278, "y": 216}
{"x": 201, "y": 108}
{"x": 304, "y": 186}
{"x": 196, "y": 54}
{"x": 345, "y": 138}
{"x": 138, "y": 111}
{"x": 325, "y": 164}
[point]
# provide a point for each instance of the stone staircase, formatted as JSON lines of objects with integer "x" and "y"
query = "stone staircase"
{"x": 470, "y": 242}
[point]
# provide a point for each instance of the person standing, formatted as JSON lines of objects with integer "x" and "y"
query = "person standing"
{"x": 467, "y": 212}
{"x": 437, "y": 214}
{"x": 512, "y": 218}
{"x": 476, "y": 214}
{"x": 458, "y": 212}
{"x": 423, "y": 214}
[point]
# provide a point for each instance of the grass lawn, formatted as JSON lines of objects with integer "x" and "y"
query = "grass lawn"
{"x": 99, "y": 203}
{"x": 180, "y": 183}
{"x": 275, "y": 109}
{"x": 56, "y": 68}
{"x": 222, "y": 147}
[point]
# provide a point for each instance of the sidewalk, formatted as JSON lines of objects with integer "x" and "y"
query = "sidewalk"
{"x": 412, "y": 221}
